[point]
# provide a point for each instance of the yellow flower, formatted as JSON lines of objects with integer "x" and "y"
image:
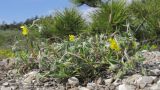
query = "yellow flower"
{"x": 71, "y": 38}
{"x": 114, "y": 45}
{"x": 24, "y": 30}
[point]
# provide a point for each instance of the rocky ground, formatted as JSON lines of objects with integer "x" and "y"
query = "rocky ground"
{"x": 9, "y": 79}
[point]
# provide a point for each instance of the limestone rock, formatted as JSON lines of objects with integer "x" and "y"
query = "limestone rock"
{"x": 126, "y": 87}
{"x": 6, "y": 84}
{"x": 75, "y": 88}
{"x": 144, "y": 80}
{"x": 5, "y": 88}
{"x": 132, "y": 79}
{"x": 117, "y": 82}
{"x": 108, "y": 81}
{"x": 28, "y": 78}
{"x": 155, "y": 87}
{"x": 91, "y": 86}
{"x": 48, "y": 84}
{"x": 73, "y": 81}
{"x": 155, "y": 72}
{"x": 83, "y": 88}
{"x": 99, "y": 81}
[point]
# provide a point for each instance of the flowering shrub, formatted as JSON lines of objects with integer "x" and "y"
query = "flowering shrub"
{"x": 68, "y": 59}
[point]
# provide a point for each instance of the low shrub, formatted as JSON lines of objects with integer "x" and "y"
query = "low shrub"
{"x": 69, "y": 21}
{"x": 84, "y": 56}
{"x": 110, "y": 17}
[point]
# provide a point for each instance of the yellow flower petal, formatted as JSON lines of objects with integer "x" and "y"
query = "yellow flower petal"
{"x": 24, "y": 30}
{"x": 114, "y": 45}
{"x": 71, "y": 38}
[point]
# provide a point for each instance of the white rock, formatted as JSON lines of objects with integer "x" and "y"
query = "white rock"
{"x": 132, "y": 79}
{"x": 30, "y": 73}
{"x": 91, "y": 86}
{"x": 99, "y": 81}
{"x": 5, "y": 88}
{"x": 28, "y": 78}
{"x": 117, "y": 82}
{"x": 126, "y": 87}
{"x": 75, "y": 88}
{"x": 158, "y": 82}
{"x": 155, "y": 72}
{"x": 155, "y": 87}
{"x": 83, "y": 88}
{"x": 14, "y": 87}
{"x": 108, "y": 81}
{"x": 6, "y": 84}
{"x": 73, "y": 81}
{"x": 144, "y": 80}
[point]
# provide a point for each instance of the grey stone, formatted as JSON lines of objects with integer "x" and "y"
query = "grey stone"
{"x": 152, "y": 59}
{"x": 158, "y": 82}
{"x": 99, "y": 81}
{"x": 83, "y": 88}
{"x": 28, "y": 78}
{"x": 61, "y": 88}
{"x": 155, "y": 72}
{"x": 27, "y": 87}
{"x": 49, "y": 88}
{"x": 14, "y": 87}
{"x": 126, "y": 87}
{"x": 132, "y": 79}
{"x": 38, "y": 84}
{"x": 47, "y": 84}
{"x": 101, "y": 88}
{"x": 112, "y": 87}
{"x": 12, "y": 81}
{"x": 144, "y": 80}
{"x": 75, "y": 88}
{"x": 108, "y": 81}
{"x": 39, "y": 88}
{"x": 73, "y": 81}
{"x": 117, "y": 82}
{"x": 155, "y": 87}
{"x": 106, "y": 88}
{"x": 91, "y": 86}
{"x": 6, "y": 84}
{"x": 14, "y": 71}
{"x": 11, "y": 63}
{"x": 57, "y": 80}
{"x": 6, "y": 88}
{"x": 146, "y": 88}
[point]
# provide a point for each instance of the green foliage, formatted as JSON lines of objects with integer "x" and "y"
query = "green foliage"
{"x": 145, "y": 17}
{"x": 61, "y": 24}
{"x": 71, "y": 58}
{"x": 26, "y": 51}
{"x": 110, "y": 17}
{"x": 6, "y": 54}
{"x": 7, "y": 38}
{"x": 46, "y": 24}
{"x": 68, "y": 22}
